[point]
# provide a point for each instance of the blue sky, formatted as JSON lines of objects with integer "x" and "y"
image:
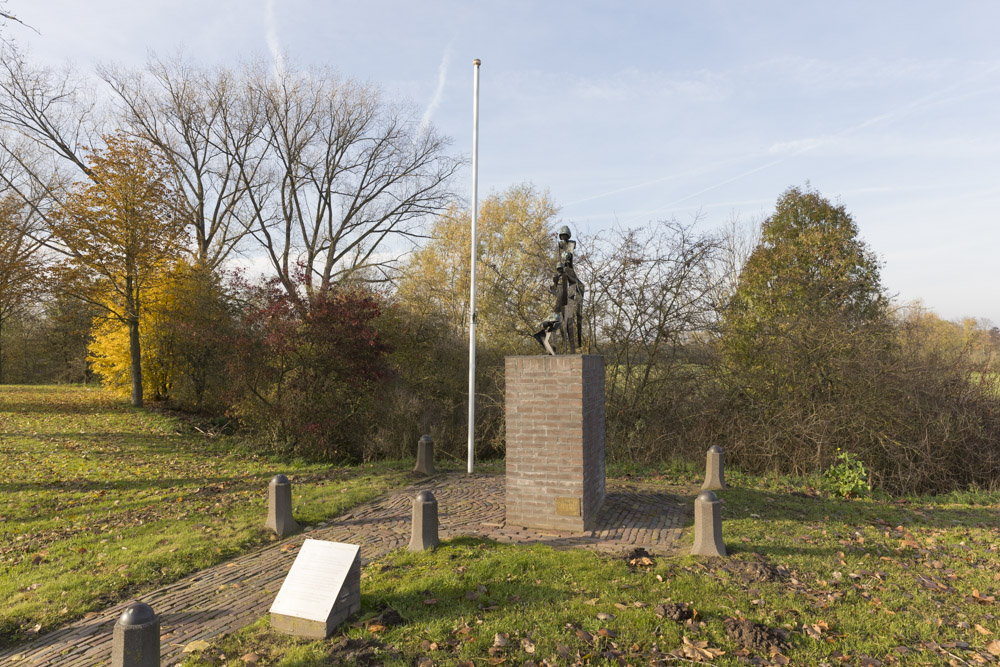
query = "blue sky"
{"x": 636, "y": 111}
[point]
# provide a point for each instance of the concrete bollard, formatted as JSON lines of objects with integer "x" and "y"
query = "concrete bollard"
{"x": 136, "y": 638}
{"x": 708, "y": 526}
{"x": 425, "y": 522}
{"x": 715, "y": 475}
{"x": 279, "y": 507}
{"x": 425, "y": 456}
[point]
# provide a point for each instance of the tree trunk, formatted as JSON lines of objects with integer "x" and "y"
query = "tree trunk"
{"x": 1, "y": 351}
{"x": 133, "y": 344}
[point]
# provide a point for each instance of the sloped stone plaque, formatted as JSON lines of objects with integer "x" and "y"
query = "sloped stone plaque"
{"x": 321, "y": 590}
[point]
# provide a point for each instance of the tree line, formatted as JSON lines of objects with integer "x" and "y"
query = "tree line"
{"x": 126, "y": 196}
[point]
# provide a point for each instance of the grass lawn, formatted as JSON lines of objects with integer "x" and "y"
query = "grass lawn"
{"x": 102, "y": 501}
{"x": 811, "y": 580}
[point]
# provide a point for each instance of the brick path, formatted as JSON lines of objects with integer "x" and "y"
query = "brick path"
{"x": 227, "y": 597}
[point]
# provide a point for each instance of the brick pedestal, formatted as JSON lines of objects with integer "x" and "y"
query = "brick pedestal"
{"x": 555, "y": 441}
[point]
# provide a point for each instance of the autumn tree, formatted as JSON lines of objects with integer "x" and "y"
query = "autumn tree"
{"x": 21, "y": 267}
{"x": 807, "y": 295}
{"x": 430, "y": 318}
{"x": 120, "y": 230}
{"x": 807, "y": 330}
{"x": 516, "y": 255}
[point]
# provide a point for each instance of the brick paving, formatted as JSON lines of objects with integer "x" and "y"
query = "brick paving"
{"x": 229, "y": 596}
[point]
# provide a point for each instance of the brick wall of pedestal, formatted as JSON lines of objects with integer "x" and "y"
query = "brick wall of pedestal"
{"x": 555, "y": 440}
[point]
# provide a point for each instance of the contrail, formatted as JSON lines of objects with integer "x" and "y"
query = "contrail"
{"x": 661, "y": 179}
{"x": 273, "y": 43}
{"x": 938, "y": 97}
{"x": 425, "y": 121}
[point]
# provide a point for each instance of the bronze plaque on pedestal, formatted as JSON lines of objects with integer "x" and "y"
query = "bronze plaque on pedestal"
{"x": 568, "y": 507}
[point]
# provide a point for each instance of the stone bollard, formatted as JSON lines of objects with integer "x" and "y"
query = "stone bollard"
{"x": 425, "y": 456}
{"x": 136, "y": 638}
{"x": 708, "y": 526}
{"x": 279, "y": 507}
{"x": 715, "y": 475}
{"x": 425, "y": 522}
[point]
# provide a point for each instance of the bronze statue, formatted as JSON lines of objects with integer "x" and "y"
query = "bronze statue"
{"x": 567, "y": 315}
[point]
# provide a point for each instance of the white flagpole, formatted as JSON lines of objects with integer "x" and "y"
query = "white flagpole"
{"x": 472, "y": 264}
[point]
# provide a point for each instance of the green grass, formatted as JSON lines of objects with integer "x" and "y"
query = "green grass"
{"x": 900, "y": 581}
{"x": 102, "y": 501}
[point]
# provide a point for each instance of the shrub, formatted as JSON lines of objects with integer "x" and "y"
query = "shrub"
{"x": 847, "y": 477}
{"x": 306, "y": 372}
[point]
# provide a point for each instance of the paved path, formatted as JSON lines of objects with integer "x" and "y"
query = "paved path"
{"x": 227, "y": 597}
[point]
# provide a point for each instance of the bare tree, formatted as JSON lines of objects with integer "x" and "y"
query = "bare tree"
{"x": 737, "y": 241}
{"x": 47, "y": 118}
{"x": 649, "y": 298}
{"x": 349, "y": 174}
{"x": 208, "y": 126}
{"x": 10, "y": 17}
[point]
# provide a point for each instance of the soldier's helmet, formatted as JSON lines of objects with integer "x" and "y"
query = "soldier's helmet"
{"x": 564, "y": 233}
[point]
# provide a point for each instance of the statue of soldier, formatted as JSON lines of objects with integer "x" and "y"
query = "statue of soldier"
{"x": 567, "y": 315}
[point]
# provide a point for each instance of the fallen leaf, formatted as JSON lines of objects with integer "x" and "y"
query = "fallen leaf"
{"x": 983, "y": 631}
{"x": 527, "y": 645}
{"x": 699, "y": 650}
{"x": 994, "y": 647}
{"x": 499, "y": 640}
{"x": 196, "y": 645}
{"x": 250, "y": 658}
{"x": 430, "y": 601}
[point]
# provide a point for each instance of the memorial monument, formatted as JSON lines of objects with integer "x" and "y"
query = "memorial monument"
{"x": 567, "y": 311}
{"x": 555, "y": 417}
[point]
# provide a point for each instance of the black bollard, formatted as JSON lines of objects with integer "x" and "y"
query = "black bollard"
{"x": 279, "y": 507}
{"x": 136, "y": 639}
{"x": 425, "y": 522}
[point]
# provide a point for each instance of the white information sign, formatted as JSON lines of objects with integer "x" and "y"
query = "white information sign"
{"x": 315, "y": 580}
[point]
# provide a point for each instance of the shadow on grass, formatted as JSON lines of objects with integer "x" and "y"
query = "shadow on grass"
{"x": 87, "y": 485}
{"x": 806, "y": 509}
{"x": 56, "y": 404}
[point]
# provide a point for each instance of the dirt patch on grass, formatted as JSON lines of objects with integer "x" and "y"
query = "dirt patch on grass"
{"x": 360, "y": 652}
{"x": 754, "y": 636}
{"x": 390, "y": 618}
{"x": 754, "y": 571}
{"x": 674, "y": 611}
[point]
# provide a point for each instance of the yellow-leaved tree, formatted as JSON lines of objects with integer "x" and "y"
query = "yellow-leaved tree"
{"x": 109, "y": 352}
{"x": 118, "y": 230}
{"x": 517, "y": 257}
{"x": 428, "y": 323}
{"x": 183, "y": 323}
